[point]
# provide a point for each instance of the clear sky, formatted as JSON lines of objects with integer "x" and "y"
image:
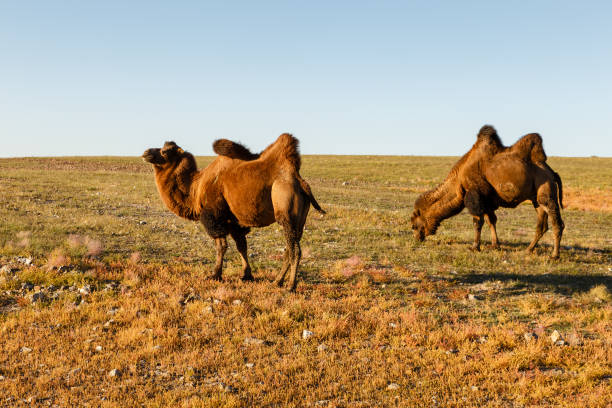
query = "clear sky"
{"x": 377, "y": 77}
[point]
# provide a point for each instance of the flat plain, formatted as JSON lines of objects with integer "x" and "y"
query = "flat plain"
{"x": 105, "y": 301}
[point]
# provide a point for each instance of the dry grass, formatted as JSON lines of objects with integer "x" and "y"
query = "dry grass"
{"x": 394, "y": 323}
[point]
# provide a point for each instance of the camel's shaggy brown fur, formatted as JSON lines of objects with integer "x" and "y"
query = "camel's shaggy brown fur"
{"x": 490, "y": 176}
{"x": 237, "y": 191}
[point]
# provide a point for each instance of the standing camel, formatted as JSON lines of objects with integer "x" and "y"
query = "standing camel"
{"x": 490, "y": 176}
{"x": 237, "y": 191}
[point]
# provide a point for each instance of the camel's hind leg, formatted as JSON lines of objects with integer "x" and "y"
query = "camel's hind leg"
{"x": 280, "y": 278}
{"x": 290, "y": 211}
{"x": 241, "y": 244}
{"x": 491, "y": 219}
{"x": 221, "y": 247}
{"x": 557, "y": 224}
{"x": 541, "y": 227}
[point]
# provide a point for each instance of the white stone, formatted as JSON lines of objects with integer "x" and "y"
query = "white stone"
{"x": 306, "y": 334}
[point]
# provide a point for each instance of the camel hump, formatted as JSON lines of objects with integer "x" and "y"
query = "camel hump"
{"x": 530, "y": 147}
{"x": 225, "y": 147}
{"x": 488, "y": 136}
{"x": 286, "y": 148}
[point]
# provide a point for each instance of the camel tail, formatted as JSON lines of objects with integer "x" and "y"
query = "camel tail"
{"x": 559, "y": 186}
{"x": 308, "y": 192}
{"x": 224, "y": 147}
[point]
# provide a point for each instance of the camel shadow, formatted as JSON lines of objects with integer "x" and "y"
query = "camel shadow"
{"x": 559, "y": 283}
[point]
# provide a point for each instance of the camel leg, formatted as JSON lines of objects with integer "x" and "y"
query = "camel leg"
{"x": 558, "y": 227}
{"x": 241, "y": 245}
{"x": 280, "y": 278}
{"x": 478, "y": 223}
{"x": 491, "y": 219}
{"x": 221, "y": 246}
{"x": 295, "y": 261}
{"x": 541, "y": 227}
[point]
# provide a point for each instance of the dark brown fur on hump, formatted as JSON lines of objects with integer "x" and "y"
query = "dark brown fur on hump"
{"x": 529, "y": 147}
{"x": 225, "y": 147}
{"x": 285, "y": 148}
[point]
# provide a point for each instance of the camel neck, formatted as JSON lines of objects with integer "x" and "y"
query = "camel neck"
{"x": 174, "y": 186}
{"x": 444, "y": 202}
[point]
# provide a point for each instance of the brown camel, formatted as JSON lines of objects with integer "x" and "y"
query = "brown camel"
{"x": 490, "y": 176}
{"x": 237, "y": 191}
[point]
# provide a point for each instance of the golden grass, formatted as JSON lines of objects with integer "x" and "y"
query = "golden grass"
{"x": 394, "y": 322}
{"x": 588, "y": 199}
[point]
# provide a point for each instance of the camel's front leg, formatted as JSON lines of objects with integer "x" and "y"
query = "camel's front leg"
{"x": 221, "y": 247}
{"x": 492, "y": 221}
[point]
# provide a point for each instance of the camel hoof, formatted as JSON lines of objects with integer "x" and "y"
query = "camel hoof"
{"x": 475, "y": 248}
{"x": 554, "y": 257}
{"x": 495, "y": 247}
{"x": 247, "y": 278}
{"x": 215, "y": 277}
{"x": 278, "y": 282}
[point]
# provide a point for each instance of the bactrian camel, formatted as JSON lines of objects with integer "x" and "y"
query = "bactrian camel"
{"x": 490, "y": 176}
{"x": 237, "y": 191}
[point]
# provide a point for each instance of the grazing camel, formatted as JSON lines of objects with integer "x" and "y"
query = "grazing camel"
{"x": 237, "y": 191}
{"x": 490, "y": 176}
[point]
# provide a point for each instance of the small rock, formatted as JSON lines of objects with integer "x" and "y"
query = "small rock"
{"x": 474, "y": 388}
{"x": 560, "y": 343}
{"x": 25, "y": 261}
{"x": 393, "y": 325}
{"x": 115, "y": 373}
{"x": 52, "y": 288}
{"x": 529, "y": 336}
{"x": 320, "y": 403}
{"x": 482, "y": 339}
{"x": 156, "y": 347}
{"x": 473, "y": 297}
{"x": 38, "y": 297}
{"x": 98, "y": 349}
{"x": 113, "y": 310}
{"x": 27, "y": 286}
{"x": 236, "y": 302}
{"x": 25, "y": 350}
{"x": 85, "y": 290}
{"x": 1, "y": 378}
{"x": 321, "y": 347}
{"x": 345, "y": 183}
{"x": 109, "y": 323}
{"x": 253, "y": 340}
{"x": 75, "y": 371}
{"x": 306, "y": 334}
{"x": 143, "y": 223}
{"x": 216, "y": 301}
{"x": 452, "y": 351}
{"x": 393, "y": 386}
{"x": 555, "y": 336}
{"x": 208, "y": 309}
{"x": 249, "y": 365}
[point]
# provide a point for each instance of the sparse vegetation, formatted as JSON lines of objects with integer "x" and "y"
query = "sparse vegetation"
{"x": 96, "y": 275}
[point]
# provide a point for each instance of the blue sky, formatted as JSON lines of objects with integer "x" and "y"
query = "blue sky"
{"x": 408, "y": 78}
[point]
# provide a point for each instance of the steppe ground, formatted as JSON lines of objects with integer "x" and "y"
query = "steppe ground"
{"x": 117, "y": 282}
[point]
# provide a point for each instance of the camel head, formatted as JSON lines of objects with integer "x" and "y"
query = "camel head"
{"x": 164, "y": 157}
{"x": 418, "y": 225}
